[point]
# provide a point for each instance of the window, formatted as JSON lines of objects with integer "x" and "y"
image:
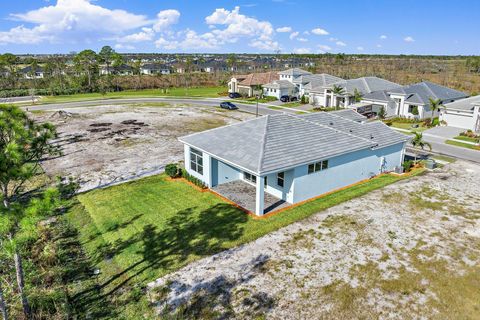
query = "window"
{"x": 280, "y": 179}
{"x": 196, "y": 161}
{"x": 317, "y": 166}
{"x": 249, "y": 177}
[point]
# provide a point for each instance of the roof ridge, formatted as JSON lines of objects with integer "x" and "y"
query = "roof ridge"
{"x": 366, "y": 84}
{"x": 262, "y": 146}
{"x": 429, "y": 89}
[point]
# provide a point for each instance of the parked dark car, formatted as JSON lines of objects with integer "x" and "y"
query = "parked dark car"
{"x": 234, "y": 95}
{"x": 228, "y": 105}
{"x": 288, "y": 98}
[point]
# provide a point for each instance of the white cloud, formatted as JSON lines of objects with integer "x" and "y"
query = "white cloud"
{"x": 124, "y": 46}
{"x": 264, "y": 45}
{"x": 293, "y": 35}
{"x": 302, "y": 50}
{"x": 341, "y": 44}
{"x": 165, "y": 19}
{"x": 284, "y": 29}
{"x": 72, "y": 21}
{"x": 332, "y": 39}
{"x": 383, "y": 37}
{"x": 360, "y": 48}
{"x": 146, "y": 34}
{"x": 302, "y": 39}
{"x": 320, "y": 32}
{"x": 324, "y": 48}
{"x": 379, "y": 46}
{"x": 408, "y": 39}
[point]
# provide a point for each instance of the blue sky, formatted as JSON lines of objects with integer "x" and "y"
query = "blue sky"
{"x": 263, "y": 26}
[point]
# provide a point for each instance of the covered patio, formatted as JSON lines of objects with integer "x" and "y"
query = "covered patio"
{"x": 244, "y": 194}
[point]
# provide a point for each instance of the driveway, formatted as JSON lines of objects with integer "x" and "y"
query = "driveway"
{"x": 443, "y": 132}
{"x": 368, "y": 258}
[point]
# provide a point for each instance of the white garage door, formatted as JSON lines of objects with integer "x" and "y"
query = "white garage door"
{"x": 459, "y": 120}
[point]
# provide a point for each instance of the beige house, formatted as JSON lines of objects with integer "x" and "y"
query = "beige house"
{"x": 246, "y": 84}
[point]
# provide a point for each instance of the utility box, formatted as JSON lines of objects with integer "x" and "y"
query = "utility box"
{"x": 430, "y": 164}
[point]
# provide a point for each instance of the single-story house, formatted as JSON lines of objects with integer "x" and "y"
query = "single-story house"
{"x": 151, "y": 69}
{"x": 323, "y": 95}
{"x": 280, "y": 88}
{"x": 122, "y": 70}
{"x": 29, "y": 73}
{"x": 246, "y": 84}
{"x": 402, "y": 101}
{"x": 463, "y": 113}
{"x": 294, "y": 157}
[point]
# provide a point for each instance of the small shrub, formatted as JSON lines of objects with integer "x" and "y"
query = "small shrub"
{"x": 427, "y": 122}
{"x": 382, "y": 113}
{"x": 407, "y": 165}
{"x": 415, "y": 110}
{"x": 303, "y": 100}
{"x": 173, "y": 170}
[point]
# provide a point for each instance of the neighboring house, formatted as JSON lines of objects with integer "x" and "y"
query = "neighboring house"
{"x": 324, "y": 95}
{"x": 402, "y": 101}
{"x": 29, "y": 73}
{"x": 305, "y": 83}
{"x": 464, "y": 113}
{"x": 294, "y": 157}
{"x": 292, "y": 74}
{"x": 280, "y": 88}
{"x": 246, "y": 84}
{"x": 152, "y": 69}
{"x": 121, "y": 70}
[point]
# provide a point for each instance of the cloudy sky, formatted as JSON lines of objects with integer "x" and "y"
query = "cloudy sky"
{"x": 264, "y": 26}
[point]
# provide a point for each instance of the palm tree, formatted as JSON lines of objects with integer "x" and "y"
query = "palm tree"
{"x": 357, "y": 95}
{"x": 434, "y": 105}
{"x": 337, "y": 91}
{"x": 418, "y": 142}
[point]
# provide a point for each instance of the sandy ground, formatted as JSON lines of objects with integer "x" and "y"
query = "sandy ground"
{"x": 108, "y": 144}
{"x": 408, "y": 251}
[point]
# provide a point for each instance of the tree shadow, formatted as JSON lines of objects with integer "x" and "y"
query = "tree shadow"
{"x": 184, "y": 235}
{"x": 222, "y": 297}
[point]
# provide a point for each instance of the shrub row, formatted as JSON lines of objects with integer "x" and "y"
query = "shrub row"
{"x": 173, "y": 170}
{"x": 41, "y": 92}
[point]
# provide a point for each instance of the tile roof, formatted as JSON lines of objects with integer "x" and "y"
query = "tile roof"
{"x": 253, "y": 79}
{"x": 364, "y": 85}
{"x": 419, "y": 93}
{"x": 466, "y": 104}
{"x": 315, "y": 80}
{"x": 278, "y": 142}
{"x": 294, "y": 72}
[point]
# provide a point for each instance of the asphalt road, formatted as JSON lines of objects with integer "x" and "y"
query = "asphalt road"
{"x": 214, "y": 102}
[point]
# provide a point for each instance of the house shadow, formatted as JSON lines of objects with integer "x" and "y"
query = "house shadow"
{"x": 184, "y": 236}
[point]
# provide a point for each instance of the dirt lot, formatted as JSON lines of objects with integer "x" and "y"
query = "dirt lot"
{"x": 108, "y": 144}
{"x": 409, "y": 251}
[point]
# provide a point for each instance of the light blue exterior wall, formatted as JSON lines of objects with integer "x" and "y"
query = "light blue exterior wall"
{"x": 206, "y": 177}
{"x": 223, "y": 173}
{"x": 345, "y": 170}
{"x": 285, "y": 193}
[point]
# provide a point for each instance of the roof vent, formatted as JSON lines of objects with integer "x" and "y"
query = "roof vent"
{"x": 371, "y": 136}
{"x": 350, "y": 130}
{"x": 331, "y": 123}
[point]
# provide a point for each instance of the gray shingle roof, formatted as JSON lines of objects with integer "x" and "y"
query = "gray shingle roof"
{"x": 419, "y": 93}
{"x": 277, "y": 142}
{"x": 466, "y": 104}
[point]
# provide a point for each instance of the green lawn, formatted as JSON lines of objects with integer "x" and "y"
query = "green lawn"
{"x": 142, "y": 230}
{"x": 469, "y": 139}
{"x": 408, "y": 126}
{"x": 211, "y": 92}
{"x": 463, "y": 145}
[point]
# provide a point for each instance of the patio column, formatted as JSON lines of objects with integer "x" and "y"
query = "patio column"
{"x": 260, "y": 196}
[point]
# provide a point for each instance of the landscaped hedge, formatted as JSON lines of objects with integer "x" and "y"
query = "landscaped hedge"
{"x": 37, "y": 92}
{"x": 192, "y": 179}
{"x": 173, "y": 170}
